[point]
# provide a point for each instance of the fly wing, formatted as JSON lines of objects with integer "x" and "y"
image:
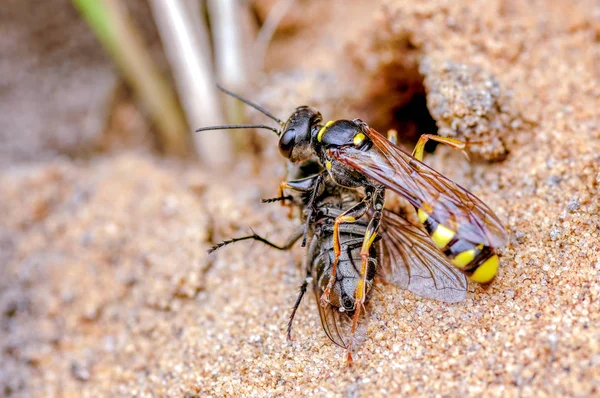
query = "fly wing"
{"x": 447, "y": 202}
{"x": 336, "y": 324}
{"x": 408, "y": 258}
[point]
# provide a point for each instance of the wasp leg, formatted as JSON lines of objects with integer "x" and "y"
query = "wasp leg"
{"x": 303, "y": 288}
{"x": 451, "y": 142}
{"x": 282, "y": 186}
{"x": 369, "y": 238}
{"x": 392, "y": 136}
{"x": 301, "y": 185}
{"x": 304, "y": 185}
{"x": 287, "y": 245}
{"x": 349, "y": 216}
{"x": 311, "y": 206}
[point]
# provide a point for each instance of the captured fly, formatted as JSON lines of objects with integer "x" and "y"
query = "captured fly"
{"x": 403, "y": 254}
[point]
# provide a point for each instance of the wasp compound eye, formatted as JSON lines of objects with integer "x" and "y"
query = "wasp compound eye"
{"x": 286, "y": 143}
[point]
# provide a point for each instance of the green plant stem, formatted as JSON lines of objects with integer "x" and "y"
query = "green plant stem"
{"x": 109, "y": 22}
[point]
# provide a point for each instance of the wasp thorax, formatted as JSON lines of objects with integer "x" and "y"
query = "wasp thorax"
{"x": 342, "y": 133}
{"x": 294, "y": 142}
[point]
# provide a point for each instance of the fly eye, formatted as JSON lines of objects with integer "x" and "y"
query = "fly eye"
{"x": 286, "y": 142}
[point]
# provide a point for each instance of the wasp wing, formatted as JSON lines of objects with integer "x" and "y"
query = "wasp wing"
{"x": 408, "y": 258}
{"x": 447, "y": 202}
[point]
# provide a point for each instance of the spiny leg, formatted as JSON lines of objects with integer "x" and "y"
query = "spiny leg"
{"x": 451, "y": 142}
{"x": 277, "y": 199}
{"x": 349, "y": 216}
{"x": 303, "y": 288}
{"x": 290, "y": 242}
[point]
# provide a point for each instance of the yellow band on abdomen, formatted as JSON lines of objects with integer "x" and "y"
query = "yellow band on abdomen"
{"x": 464, "y": 258}
{"x": 487, "y": 271}
{"x": 442, "y": 236}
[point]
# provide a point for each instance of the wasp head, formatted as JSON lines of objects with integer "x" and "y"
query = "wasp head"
{"x": 295, "y": 139}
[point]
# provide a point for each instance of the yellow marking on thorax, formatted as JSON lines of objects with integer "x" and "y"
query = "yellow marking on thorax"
{"x": 464, "y": 258}
{"x": 323, "y": 130}
{"x": 358, "y": 139}
{"x": 328, "y": 165}
{"x": 442, "y": 236}
{"x": 486, "y": 271}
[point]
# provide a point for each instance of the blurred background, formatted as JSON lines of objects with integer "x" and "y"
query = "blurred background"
{"x": 86, "y": 77}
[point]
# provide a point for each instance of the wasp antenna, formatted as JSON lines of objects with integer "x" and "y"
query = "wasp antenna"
{"x": 252, "y": 104}
{"x": 238, "y": 126}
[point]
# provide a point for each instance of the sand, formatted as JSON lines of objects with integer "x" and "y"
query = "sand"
{"x": 106, "y": 288}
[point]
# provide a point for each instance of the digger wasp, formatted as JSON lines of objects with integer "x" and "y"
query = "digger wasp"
{"x": 462, "y": 233}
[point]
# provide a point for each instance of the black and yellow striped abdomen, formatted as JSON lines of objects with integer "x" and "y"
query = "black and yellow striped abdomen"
{"x": 479, "y": 262}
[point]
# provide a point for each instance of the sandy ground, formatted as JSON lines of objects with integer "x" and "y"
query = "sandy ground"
{"x": 106, "y": 288}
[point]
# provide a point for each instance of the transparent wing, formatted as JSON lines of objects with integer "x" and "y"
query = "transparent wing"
{"x": 450, "y": 204}
{"x": 336, "y": 324}
{"x": 408, "y": 258}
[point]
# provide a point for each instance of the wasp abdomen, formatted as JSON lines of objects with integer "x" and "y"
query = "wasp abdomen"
{"x": 479, "y": 262}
